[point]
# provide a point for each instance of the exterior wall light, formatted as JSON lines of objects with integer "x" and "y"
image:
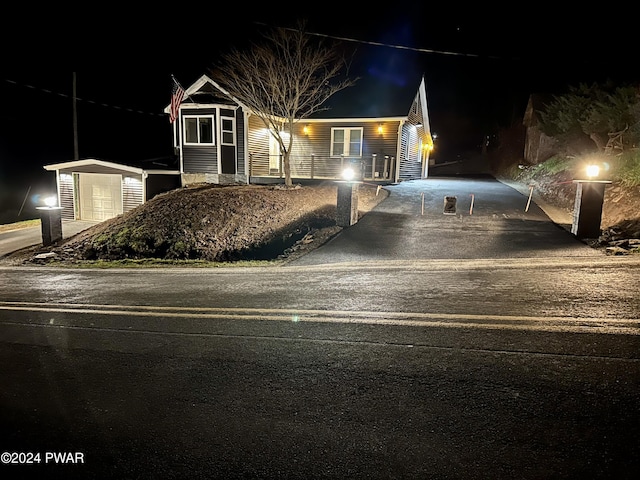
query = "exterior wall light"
{"x": 306, "y": 130}
{"x": 380, "y": 129}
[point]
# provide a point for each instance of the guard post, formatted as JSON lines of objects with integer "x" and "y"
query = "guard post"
{"x": 347, "y": 203}
{"x": 587, "y": 209}
{"x": 51, "y": 223}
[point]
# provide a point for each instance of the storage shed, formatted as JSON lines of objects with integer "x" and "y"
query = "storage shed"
{"x": 96, "y": 190}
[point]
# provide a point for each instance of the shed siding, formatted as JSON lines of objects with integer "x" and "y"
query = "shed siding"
{"x": 65, "y": 182}
{"x": 132, "y": 192}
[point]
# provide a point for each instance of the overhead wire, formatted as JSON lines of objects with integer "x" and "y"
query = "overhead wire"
{"x": 93, "y": 102}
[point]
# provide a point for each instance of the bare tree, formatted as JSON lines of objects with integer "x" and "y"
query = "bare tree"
{"x": 283, "y": 80}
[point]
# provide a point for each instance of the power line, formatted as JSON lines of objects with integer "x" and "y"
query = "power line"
{"x": 93, "y": 102}
{"x": 390, "y": 45}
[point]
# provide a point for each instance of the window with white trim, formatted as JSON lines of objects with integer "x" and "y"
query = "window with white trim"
{"x": 346, "y": 141}
{"x": 198, "y": 130}
{"x": 228, "y": 130}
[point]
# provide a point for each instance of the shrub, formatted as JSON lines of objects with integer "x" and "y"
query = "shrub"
{"x": 628, "y": 168}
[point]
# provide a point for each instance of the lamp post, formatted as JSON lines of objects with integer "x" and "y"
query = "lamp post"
{"x": 587, "y": 209}
{"x": 50, "y": 221}
{"x": 347, "y": 202}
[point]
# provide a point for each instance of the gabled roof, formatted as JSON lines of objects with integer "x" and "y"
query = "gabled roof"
{"x": 206, "y": 91}
{"x": 372, "y": 96}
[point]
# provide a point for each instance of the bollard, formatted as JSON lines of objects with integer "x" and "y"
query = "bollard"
{"x": 587, "y": 209}
{"x": 51, "y": 223}
{"x": 347, "y": 206}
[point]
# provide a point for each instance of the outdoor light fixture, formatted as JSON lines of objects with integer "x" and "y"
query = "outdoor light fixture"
{"x": 50, "y": 201}
{"x": 305, "y": 129}
{"x": 593, "y": 171}
{"x": 348, "y": 174}
{"x": 380, "y": 129}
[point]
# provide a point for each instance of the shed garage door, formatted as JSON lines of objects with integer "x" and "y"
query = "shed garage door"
{"x": 100, "y": 196}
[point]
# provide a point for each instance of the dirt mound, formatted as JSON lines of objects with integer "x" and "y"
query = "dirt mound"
{"x": 213, "y": 223}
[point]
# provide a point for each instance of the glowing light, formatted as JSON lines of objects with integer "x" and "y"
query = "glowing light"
{"x": 348, "y": 174}
{"x": 50, "y": 201}
{"x": 305, "y": 130}
{"x": 380, "y": 130}
{"x": 593, "y": 171}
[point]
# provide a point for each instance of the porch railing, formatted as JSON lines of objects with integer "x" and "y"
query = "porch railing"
{"x": 373, "y": 167}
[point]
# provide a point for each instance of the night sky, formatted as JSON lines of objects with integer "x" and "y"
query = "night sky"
{"x": 480, "y": 67}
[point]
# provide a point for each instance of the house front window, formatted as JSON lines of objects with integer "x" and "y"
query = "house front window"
{"x": 198, "y": 130}
{"x": 346, "y": 141}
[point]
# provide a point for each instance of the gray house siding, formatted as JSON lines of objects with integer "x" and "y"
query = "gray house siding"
{"x": 311, "y": 151}
{"x": 200, "y": 159}
{"x": 240, "y": 142}
{"x": 411, "y": 159}
{"x": 202, "y": 162}
{"x": 400, "y": 150}
{"x": 410, "y": 164}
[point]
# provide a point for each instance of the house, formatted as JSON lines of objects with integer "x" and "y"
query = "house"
{"x": 538, "y": 146}
{"x": 381, "y": 128}
{"x": 96, "y": 190}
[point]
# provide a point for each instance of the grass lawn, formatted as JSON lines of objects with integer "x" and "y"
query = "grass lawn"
{"x": 18, "y": 225}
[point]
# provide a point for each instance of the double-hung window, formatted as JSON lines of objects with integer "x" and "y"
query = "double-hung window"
{"x": 228, "y": 130}
{"x": 198, "y": 130}
{"x": 346, "y": 142}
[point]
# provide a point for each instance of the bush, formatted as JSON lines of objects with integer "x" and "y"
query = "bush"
{"x": 628, "y": 168}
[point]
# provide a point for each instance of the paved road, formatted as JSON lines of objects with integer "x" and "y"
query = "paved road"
{"x": 14, "y": 240}
{"x": 440, "y": 369}
{"x": 490, "y": 222}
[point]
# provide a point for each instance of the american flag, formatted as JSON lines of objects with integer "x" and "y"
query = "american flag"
{"x": 177, "y": 94}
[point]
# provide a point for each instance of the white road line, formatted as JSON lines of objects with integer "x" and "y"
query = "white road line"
{"x": 412, "y": 319}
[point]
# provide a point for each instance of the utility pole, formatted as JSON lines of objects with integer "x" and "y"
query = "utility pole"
{"x": 75, "y": 121}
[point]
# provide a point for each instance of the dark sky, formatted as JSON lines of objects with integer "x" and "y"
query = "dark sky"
{"x": 480, "y": 65}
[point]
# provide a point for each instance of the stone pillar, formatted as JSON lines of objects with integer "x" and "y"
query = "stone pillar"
{"x": 587, "y": 209}
{"x": 51, "y": 223}
{"x": 347, "y": 207}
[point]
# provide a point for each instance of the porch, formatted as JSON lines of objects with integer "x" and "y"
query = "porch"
{"x": 379, "y": 168}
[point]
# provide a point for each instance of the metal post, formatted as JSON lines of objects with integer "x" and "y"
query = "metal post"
{"x": 373, "y": 165}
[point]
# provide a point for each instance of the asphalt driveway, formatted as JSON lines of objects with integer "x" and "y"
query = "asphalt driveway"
{"x": 489, "y": 221}
{"x": 18, "y": 239}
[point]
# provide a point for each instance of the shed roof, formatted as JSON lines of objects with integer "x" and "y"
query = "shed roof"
{"x": 90, "y": 164}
